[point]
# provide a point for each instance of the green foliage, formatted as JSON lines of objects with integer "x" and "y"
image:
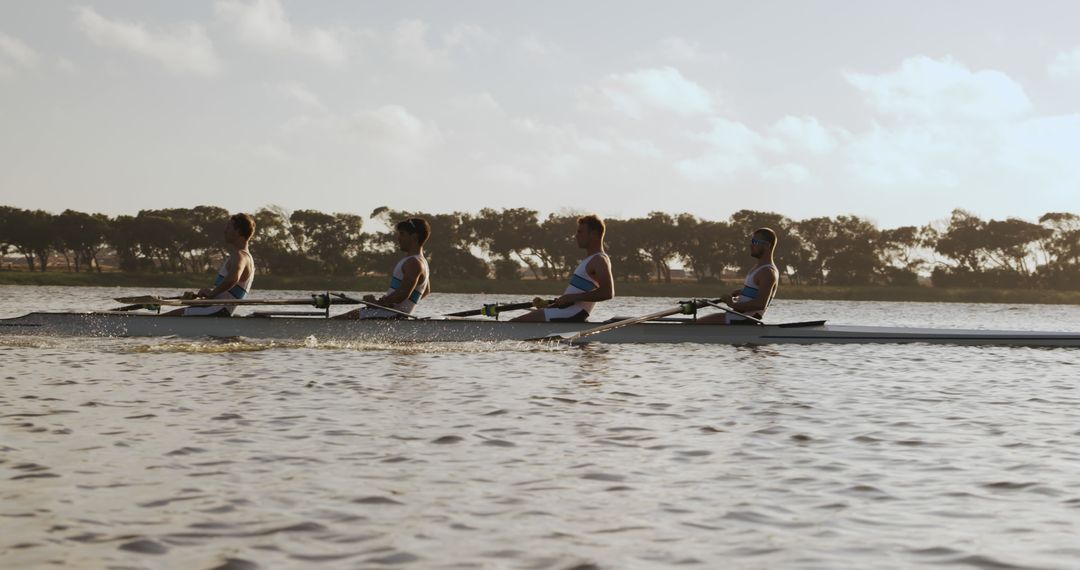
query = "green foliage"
{"x": 963, "y": 251}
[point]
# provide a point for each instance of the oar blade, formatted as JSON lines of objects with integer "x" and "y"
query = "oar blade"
{"x": 554, "y": 338}
{"x": 139, "y": 299}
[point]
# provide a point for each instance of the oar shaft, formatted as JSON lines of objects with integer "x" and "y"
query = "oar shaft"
{"x": 715, "y": 303}
{"x": 316, "y": 300}
{"x": 493, "y": 309}
{"x": 375, "y": 306}
{"x": 682, "y": 308}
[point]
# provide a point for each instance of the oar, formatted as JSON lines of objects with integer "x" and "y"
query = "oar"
{"x": 138, "y": 306}
{"x": 353, "y": 300}
{"x": 756, "y": 321}
{"x": 715, "y": 303}
{"x": 319, "y": 301}
{"x": 686, "y": 308}
{"x": 493, "y": 310}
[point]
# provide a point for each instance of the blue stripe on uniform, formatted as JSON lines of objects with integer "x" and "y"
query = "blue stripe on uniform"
{"x": 749, "y": 292}
{"x": 395, "y": 283}
{"x": 582, "y": 283}
{"x": 237, "y": 291}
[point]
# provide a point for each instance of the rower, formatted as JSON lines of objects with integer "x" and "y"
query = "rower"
{"x": 758, "y": 288}
{"x": 409, "y": 282}
{"x": 590, "y": 283}
{"x": 235, "y": 275}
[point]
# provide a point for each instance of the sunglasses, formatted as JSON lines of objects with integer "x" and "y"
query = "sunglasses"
{"x": 756, "y": 241}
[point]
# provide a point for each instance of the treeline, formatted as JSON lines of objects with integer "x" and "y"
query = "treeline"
{"x": 963, "y": 251}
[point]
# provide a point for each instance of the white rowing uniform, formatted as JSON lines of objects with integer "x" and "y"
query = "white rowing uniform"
{"x": 238, "y": 291}
{"x": 750, "y": 291}
{"x": 414, "y": 297}
{"x": 580, "y": 282}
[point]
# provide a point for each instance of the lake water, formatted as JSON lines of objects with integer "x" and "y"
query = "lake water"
{"x": 167, "y": 453}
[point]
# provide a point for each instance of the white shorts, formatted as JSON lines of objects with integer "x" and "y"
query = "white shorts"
{"x": 573, "y": 313}
{"x": 208, "y": 311}
{"x": 737, "y": 320}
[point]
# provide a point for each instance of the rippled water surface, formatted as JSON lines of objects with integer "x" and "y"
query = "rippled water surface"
{"x": 169, "y": 453}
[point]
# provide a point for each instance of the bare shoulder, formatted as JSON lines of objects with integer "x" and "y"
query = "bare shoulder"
{"x": 600, "y": 262}
{"x": 412, "y": 263}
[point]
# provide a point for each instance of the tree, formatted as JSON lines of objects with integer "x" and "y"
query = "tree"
{"x": 899, "y": 250}
{"x": 32, "y": 232}
{"x": 790, "y": 244}
{"x": 659, "y": 241}
{"x": 334, "y": 239}
{"x": 816, "y": 234}
{"x": 84, "y": 235}
{"x": 449, "y": 250}
{"x": 962, "y": 241}
{"x": 1061, "y": 247}
{"x": 275, "y": 249}
{"x": 623, "y": 244}
{"x": 508, "y": 234}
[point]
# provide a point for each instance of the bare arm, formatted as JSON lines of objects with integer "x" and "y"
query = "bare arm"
{"x": 234, "y": 266}
{"x": 599, "y": 269}
{"x": 764, "y": 281}
{"x": 410, "y": 276}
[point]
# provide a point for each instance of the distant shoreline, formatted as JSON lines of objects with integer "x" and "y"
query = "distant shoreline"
{"x": 683, "y": 289}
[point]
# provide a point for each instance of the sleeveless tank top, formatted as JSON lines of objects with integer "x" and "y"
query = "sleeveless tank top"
{"x": 750, "y": 291}
{"x": 395, "y": 283}
{"x": 580, "y": 282}
{"x": 238, "y": 291}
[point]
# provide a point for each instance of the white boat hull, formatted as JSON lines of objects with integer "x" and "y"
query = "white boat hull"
{"x": 452, "y": 330}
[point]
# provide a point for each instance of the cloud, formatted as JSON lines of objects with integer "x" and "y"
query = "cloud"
{"x": 301, "y": 94}
{"x": 731, "y": 148}
{"x": 468, "y": 37}
{"x": 926, "y": 156}
{"x": 679, "y": 49}
{"x": 538, "y": 48}
{"x": 663, "y": 89}
{"x": 15, "y": 55}
{"x": 265, "y": 25}
{"x": 805, "y": 134}
{"x": 65, "y": 65}
{"x": 961, "y": 129}
{"x": 1043, "y": 151}
{"x": 788, "y": 173}
{"x": 1066, "y": 65}
{"x": 644, "y": 148}
{"x": 410, "y": 44}
{"x": 925, "y": 88}
{"x": 395, "y": 131}
{"x": 184, "y": 49}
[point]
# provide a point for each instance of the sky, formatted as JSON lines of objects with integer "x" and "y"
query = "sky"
{"x": 897, "y": 112}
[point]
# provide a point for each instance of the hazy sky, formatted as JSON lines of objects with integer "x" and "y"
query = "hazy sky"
{"x": 896, "y": 111}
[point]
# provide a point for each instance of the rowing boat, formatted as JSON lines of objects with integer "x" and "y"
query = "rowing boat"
{"x": 450, "y": 329}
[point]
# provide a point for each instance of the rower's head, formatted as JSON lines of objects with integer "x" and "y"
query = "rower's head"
{"x": 762, "y": 242}
{"x": 413, "y": 233}
{"x": 239, "y": 228}
{"x": 590, "y": 231}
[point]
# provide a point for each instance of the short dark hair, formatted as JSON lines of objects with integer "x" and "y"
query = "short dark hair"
{"x": 766, "y": 234}
{"x": 416, "y": 226}
{"x": 244, "y": 224}
{"x": 594, "y": 223}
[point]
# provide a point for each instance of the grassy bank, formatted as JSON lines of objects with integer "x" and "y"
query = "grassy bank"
{"x": 684, "y": 289}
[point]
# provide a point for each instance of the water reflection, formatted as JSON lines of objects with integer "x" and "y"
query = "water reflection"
{"x": 179, "y": 453}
